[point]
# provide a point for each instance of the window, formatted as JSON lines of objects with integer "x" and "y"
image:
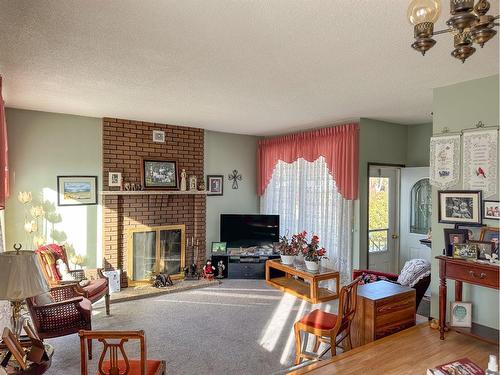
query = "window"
{"x": 378, "y": 214}
{"x": 421, "y": 207}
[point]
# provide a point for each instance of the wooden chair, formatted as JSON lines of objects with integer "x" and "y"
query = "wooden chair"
{"x": 115, "y": 349}
{"x": 329, "y": 328}
{"x": 98, "y": 286}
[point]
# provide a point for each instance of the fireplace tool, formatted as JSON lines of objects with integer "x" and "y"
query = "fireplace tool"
{"x": 191, "y": 271}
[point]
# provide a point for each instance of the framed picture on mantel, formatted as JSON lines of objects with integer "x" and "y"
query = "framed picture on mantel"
{"x": 158, "y": 174}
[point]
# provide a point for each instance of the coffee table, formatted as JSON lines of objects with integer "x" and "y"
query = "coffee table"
{"x": 301, "y": 282}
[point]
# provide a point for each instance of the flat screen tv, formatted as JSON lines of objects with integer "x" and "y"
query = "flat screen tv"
{"x": 249, "y": 230}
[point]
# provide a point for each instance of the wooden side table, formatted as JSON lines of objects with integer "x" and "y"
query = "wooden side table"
{"x": 383, "y": 308}
{"x": 463, "y": 271}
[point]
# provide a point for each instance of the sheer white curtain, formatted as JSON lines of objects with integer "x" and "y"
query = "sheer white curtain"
{"x": 305, "y": 196}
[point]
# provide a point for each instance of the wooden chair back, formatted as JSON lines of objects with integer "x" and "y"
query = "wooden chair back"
{"x": 347, "y": 305}
{"x": 115, "y": 351}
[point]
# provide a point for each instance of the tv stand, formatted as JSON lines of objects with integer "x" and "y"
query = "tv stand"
{"x": 243, "y": 266}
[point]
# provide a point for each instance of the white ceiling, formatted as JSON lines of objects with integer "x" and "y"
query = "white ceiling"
{"x": 253, "y": 67}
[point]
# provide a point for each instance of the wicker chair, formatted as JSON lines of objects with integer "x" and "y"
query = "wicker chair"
{"x": 58, "y": 313}
{"x": 94, "y": 291}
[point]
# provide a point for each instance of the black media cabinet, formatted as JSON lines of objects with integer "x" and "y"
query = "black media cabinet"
{"x": 243, "y": 266}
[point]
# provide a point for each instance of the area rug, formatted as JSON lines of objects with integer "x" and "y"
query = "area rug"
{"x": 237, "y": 327}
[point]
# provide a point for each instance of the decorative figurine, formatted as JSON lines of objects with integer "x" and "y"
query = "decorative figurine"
{"x": 220, "y": 268}
{"x": 183, "y": 180}
{"x": 162, "y": 280}
{"x": 235, "y": 177}
{"x": 208, "y": 270}
{"x": 192, "y": 183}
{"x": 201, "y": 185}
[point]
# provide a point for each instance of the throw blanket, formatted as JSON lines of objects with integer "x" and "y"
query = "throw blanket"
{"x": 413, "y": 271}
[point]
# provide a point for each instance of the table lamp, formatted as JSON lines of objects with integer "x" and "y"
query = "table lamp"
{"x": 20, "y": 278}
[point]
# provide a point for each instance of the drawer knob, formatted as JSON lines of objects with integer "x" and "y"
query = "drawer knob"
{"x": 482, "y": 275}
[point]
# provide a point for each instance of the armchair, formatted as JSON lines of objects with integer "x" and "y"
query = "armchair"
{"x": 54, "y": 314}
{"x": 98, "y": 286}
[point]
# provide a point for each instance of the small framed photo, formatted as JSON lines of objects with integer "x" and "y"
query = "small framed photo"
{"x": 454, "y": 236}
{"x": 461, "y": 314}
{"x": 491, "y": 210}
{"x": 159, "y": 174}
{"x": 115, "y": 179}
{"x": 76, "y": 190}
{"x": 490, "y": 234}
{"x": 465, "y": 250}
{"x": 215, "y": 185}
{"x": 14, "y": 346}
{"x": 484, "y": 248}
{"x": 158, "y": 136}
{"x": 219, "y": 247}
{"x": 460, "y": 207}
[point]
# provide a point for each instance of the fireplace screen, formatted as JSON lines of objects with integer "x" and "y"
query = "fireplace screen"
{"x": 156, "y": 250}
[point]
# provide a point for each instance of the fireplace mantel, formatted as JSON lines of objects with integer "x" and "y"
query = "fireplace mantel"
{"x": 151, "y": 192}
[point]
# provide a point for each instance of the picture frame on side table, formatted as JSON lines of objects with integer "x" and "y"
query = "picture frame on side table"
{"x": 490, "y": 234}
{"x": 76, "y": 190}
{"x": 215, "y": 185}
{"x": 483, "y": 248}
{"x": 460, "y": 207}
{"x": 461, "y": 314}
{"x": 159, "y": 174}
{"x": 15, "y": 348}
{"x": 454, "y": 236}
{"x": 219, "y": 247}
{"x": 115, "y": 179}
{"x": 491, "y": 210}
{"x": 465, "y": 250}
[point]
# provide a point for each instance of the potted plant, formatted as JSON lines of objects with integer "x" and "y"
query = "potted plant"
{"x": 313, "y": 254}
{"x": 287, "y": 252}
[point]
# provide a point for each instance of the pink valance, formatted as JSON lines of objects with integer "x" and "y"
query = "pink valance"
{"x": 4, "y": 169}
{"x": 338, "y": 145}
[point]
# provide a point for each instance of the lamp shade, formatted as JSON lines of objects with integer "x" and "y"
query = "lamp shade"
{"x": 20, "y": 276}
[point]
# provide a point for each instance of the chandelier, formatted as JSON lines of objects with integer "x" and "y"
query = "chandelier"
{"x": 468, "y": 24}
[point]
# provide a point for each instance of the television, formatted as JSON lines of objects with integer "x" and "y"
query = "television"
{"x": 249, "y": 230}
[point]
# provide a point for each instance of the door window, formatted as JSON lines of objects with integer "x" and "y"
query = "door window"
{"x": 421, "y": 207}
{"x": 378, "y": 214}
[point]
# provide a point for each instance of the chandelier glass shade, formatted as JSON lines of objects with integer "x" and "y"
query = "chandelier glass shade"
{"x": 469, "y": 24}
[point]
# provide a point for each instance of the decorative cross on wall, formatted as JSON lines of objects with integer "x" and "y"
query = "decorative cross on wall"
{"x": 235, "y": 177}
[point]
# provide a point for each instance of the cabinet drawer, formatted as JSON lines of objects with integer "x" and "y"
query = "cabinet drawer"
{"x": 246, "y": 270}
{"x": 472, "y": 274}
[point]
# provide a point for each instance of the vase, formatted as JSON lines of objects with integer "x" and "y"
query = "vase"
{"x": 312, "y": 266}
{"x": 287, "y": 259}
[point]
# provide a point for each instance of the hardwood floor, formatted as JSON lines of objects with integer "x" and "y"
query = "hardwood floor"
{"x": 410, "y": 352}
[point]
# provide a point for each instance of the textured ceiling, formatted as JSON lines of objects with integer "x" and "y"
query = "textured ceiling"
{"x": 254, "y": 67}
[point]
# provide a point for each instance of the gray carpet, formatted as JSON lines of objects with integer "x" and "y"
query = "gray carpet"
{"x": 238, "y": 327}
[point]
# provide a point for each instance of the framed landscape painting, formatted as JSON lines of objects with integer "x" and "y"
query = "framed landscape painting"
{"x": 460, "y": 207}
{"x": 159, "y": 174}
{"x": 76, "y": 190}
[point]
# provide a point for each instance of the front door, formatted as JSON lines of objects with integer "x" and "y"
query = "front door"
{"x": 383, "y": 218}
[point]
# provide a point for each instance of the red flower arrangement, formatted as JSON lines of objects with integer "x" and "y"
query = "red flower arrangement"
{"x": 312, "y": 252}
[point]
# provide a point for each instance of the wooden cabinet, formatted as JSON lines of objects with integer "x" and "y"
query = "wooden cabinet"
{"x": 383, "y": 308}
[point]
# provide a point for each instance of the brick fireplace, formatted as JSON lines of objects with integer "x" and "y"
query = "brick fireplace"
{"x": 125, "y": 144}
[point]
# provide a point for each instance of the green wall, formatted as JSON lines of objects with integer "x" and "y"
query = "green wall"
{"x": 418, "y": 145}
{"x": 42, "y": 146}
{"x": 223, "y": 153}
{"x": 458, "y": 107}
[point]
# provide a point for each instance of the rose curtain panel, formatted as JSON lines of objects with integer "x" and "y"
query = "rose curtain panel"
{"x": 303, "y": 187}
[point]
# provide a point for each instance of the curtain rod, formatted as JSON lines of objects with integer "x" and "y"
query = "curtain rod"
{"x": 478, "y": 127}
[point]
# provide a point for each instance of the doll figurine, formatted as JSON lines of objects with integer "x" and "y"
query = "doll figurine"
{"x": 208, "y": 270}
{"x": 220, "y": 268}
